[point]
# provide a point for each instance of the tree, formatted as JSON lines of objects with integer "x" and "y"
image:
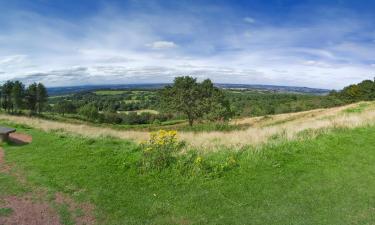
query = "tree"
{"x": 17, "y": 95}
{"x": 195, "y": 100}
{"x": 31, "y": 97}
{"x": 64, "y": 106}
{"x": 216, "y": 106}
{"x": 41, "y": 97}
{"x": 6, "y": 93}
{"x": 89, "y": 111}
{"x": 183, "y": 96}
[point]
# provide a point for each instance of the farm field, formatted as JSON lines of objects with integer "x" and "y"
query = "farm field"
{"x": 322, "y": 180}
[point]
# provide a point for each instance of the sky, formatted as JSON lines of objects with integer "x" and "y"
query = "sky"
{"x": 321, "y": 44}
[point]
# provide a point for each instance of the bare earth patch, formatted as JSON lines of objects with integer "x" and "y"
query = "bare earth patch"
{"x": 27, "y": 211}
{"x": 86, "y": 218}
{"x": 19, "y": 138}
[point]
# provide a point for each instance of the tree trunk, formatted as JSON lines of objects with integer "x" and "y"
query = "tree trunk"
{"x": 191, "y": 121}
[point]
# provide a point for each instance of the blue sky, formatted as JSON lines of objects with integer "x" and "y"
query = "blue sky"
{"x": 325, "y": 44}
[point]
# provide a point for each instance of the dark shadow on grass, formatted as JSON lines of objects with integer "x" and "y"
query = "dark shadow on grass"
{"x": 16, "y": 142}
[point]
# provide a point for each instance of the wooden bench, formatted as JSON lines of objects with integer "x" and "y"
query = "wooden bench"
{"x": 4, "y": 133}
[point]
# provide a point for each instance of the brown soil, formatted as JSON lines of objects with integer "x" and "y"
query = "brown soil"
{"x": 19, "y": 138}
{"x": 27, "y": 211}
{"x": 87, "y": 218}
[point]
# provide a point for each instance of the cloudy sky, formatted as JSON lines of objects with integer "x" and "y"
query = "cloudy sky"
{"x": 324, "y": 44}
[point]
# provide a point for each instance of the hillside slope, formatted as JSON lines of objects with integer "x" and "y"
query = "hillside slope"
{"x": 259, "y": 131}
{"x": 326, "y": 180}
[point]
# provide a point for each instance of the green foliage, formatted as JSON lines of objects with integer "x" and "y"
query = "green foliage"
{"x": 41, "y": 97}
{"x": 6, "y": 96}
{"x": 17, "y": 95}
{"x": 31, "y": 97}
{"x": 195, "y": 100}
{"x": 256, "y": 103}
{"x": 89, "y": 111}
{"x": 64, "y": 107}
{"x": 14, "y": 97}
{"x": 363, "y": 91}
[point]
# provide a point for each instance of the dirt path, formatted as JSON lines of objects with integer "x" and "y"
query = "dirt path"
{"x": 33, "y": 208}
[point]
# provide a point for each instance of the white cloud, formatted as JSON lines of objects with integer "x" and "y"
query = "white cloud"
{"x": 160, "y": 45}
{"x": 12, "y": 59}
{"x": 110, "y": 48}
{"x": 249, "y": 20}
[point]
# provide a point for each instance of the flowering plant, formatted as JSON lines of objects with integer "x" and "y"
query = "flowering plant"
{"x": 161, "y": 149}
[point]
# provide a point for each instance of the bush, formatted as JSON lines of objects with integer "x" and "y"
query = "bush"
{"x": 89, "y": 111}
{"x": 161, "y": 150}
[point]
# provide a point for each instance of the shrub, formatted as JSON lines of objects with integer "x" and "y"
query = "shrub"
{"x": 89, "y": 111}
{"x": 161, "y": 150}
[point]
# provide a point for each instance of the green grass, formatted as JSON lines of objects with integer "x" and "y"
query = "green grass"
{"x": 4, "y": 212}
{"x": 357, "y": 109}
{"x": 10, "y": 186}
{"x": 327, "y": 180}
{"x": 110, "y": 92}
{"x": 141, "y": 111}
{"x": 65, "y": 215}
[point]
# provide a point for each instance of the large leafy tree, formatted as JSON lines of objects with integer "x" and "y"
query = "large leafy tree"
{"x": 195, "y": 100}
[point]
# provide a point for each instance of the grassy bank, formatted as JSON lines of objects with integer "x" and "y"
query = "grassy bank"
{"x": 327, "y": 180}
{"x": 253, "y": 131}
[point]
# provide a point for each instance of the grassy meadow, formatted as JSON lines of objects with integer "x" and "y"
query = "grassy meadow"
{"x": 322, "y": 180}
{"x": 235, "y": 135}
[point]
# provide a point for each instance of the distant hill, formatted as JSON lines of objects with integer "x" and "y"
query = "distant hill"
{"x": 276, "y": 88}
{"x": 54, "y": 91}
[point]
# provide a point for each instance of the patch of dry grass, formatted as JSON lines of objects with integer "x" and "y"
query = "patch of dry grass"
{"x": 261, "y": 129}
{"x": 286, "y": 125}
{"x": 82, "y": 129}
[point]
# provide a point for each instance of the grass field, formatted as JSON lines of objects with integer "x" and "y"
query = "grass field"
{"x": 253, "y": 131}
{"x": 326, "y": 180}
{"x": 110, "y": 92}
{"x": 141, "y": 111}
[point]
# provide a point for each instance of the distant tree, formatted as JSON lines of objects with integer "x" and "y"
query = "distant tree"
{"x": 363, "y": 91}
{"x": 89, "y": 111}
{"x": 63, "y": 107}
{"x": 6, "y": 93}
{"x": 31, "y": 97}
{"x": 41, "y": 97}
{"x": 17, "y": 95}
{"x": 195, "y": 100}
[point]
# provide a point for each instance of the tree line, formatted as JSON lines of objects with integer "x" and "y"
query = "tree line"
{"x": 186, "y": 98}
{"x": 15, "y": 97}
{"x": 363, "y": 91}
